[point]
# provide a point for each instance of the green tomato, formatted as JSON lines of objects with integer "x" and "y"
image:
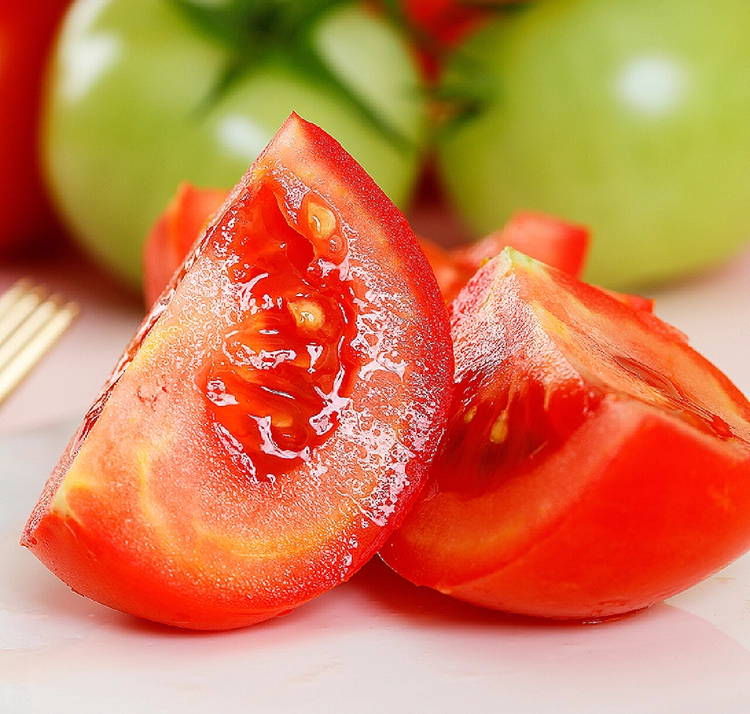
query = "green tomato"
{"x": 142, "y": 97}
{"x": 630, "y": 116}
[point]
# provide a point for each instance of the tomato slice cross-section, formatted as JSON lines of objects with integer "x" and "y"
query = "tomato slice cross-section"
{"x": 593, "y": 464}
{"x": 275, "y": 416}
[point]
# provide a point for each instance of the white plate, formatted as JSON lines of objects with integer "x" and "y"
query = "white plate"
{"x": 375, "y": 644}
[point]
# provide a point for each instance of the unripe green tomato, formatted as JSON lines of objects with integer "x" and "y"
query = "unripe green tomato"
{"x": 139, "y": 101}
{"x": 630, "y": 116}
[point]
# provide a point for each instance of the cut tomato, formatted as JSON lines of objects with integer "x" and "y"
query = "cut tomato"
{"x": 174, "y": 233}
{"x": 552, "y": 240}
{"x": 276, "y": 415}
{"x": 594, "y": 463}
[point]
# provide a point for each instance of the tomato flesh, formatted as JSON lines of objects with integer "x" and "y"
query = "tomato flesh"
{"x": 275, "y": 416}
{"x": 594, "y": 463}
{"x": 286, "y": 366}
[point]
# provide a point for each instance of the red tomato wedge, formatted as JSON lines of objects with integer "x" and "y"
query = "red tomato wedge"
{"x": 552, "y": 240}
{"x": 593, "y": 464}
{"x": 276, "y": 415}
{"x": 174, "y": 233}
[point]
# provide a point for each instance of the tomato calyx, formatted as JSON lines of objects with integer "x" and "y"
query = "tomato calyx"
{"x": 267, "y": 32}
{"x": 254, "y": 26}
{"x": 285, "y": 367}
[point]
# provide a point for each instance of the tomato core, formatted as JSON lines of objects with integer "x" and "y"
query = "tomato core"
{"x": 516, "y": 423}
{"x": 284, "y": 369}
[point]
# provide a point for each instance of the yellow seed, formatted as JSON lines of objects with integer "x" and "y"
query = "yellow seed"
{"x": 499, "y": 431}
{"x": 470, "y": 414}
{"x": 307, "y": 313}
{"x": 282, "y": 420}
{"x": 320, "y": 220}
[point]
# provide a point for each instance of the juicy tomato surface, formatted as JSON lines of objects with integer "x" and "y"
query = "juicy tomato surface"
{"x": 593, "y": 464}
{"x": 26, "y": 34}
{"x": 276, "y": 414}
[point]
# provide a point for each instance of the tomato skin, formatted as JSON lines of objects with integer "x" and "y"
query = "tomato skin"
{"x": 593, "y": 465}
{"x": 549, "y": 239}
{"x": 626, "y": 545}
{"x": 26, "y": 34}
{"x": 553, "y": 241}
{"x": 152, "y": 511}
{"x": 437, "y": 26}
{"x": 174, "y": 233}
{"x": 445, "y": 21}
{"x": 626, "y": 115}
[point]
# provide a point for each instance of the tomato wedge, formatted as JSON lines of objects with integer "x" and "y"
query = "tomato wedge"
{"x": 593, "y": 464}
{"x": 276, "y": 415}
{"x": 174, "y": 233}
{"x": 552, "y": 240}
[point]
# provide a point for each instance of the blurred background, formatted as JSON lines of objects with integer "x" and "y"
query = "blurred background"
{"x": 123, "y": 123}
{"x": 628, "y": 117}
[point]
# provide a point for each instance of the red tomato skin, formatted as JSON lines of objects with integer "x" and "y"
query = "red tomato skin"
{"x": 646, "y": 497}
{"x": 551, "y": 240}
{"x": 148, "y": 511}
{"x": 546, "y": 238}
{"x": 625, "y": 544}
{"x": 446, "y": 21}
{"x": 26, "y": 34}
{"x": 174, "y": 233}
{"x": 637, "y": 302}
{"x": 439, "y": 25}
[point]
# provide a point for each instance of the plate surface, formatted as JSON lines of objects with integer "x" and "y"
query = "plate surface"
{"x": 375, "y": 644}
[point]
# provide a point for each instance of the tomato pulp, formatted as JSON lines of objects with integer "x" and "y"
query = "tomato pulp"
{"x": 276, "y": 415}
{"x": 593, "y": 463}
